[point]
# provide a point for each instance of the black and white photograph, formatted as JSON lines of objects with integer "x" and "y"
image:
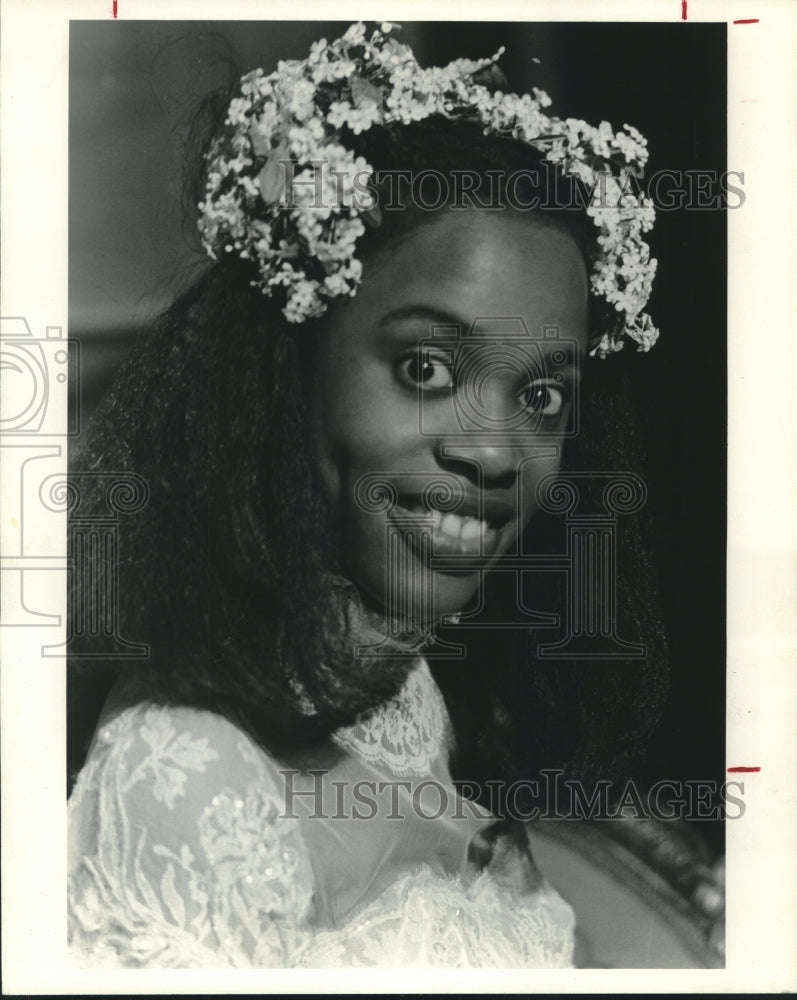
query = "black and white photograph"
{"x": 394, "y": 474}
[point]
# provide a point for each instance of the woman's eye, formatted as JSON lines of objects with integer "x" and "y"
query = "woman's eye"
{"x": 427, "y": 370}
{"x": 541, "y": 397}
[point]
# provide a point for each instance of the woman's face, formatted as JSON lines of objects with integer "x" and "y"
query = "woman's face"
{"x": 428, "y": 376}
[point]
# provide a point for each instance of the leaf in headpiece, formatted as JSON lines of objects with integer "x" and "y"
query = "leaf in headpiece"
{"x": 492, "y": 77}
{"x": 271, "y": 179}
{"x": 362, "y": 91}
{"x": 259, "y": 139}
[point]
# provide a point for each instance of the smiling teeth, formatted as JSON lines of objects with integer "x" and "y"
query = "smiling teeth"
{"x": 472, "y": 528}
{"x": 459, "y": 527}
{"x": 456, "y": 526}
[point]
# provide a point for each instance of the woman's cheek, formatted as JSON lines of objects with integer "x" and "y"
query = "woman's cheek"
{"x": 534, "y": 472}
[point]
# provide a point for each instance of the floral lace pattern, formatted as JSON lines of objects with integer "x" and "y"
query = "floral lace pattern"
{"x": 425, "y": 920}
{"x": 172, "y": 865}
{"x": 405, "y": 735}
{"x": 182, "y": 854}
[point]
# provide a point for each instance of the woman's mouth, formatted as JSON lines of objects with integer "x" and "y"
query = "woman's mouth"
{"x": 452, "y": 533}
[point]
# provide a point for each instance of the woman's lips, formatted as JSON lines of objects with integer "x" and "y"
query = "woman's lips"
{"x": 456, "y": 534}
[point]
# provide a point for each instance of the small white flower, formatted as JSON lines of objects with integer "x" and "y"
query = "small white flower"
{"x": 337, "y": 116}
{"x": 317, "y": 51}
{"x": 355, "y": 35}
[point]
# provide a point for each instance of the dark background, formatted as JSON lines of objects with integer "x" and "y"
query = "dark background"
{"x": 133, "y": 89}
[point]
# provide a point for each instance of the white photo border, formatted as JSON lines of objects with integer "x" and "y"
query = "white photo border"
{"x": 762, "y": 500}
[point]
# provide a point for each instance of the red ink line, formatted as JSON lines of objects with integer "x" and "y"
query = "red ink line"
{"x": 742, "y": 770}
{"x": 747, "y": 20}
{"x": 115, "y": 8}
{"x": 683, "y": 10}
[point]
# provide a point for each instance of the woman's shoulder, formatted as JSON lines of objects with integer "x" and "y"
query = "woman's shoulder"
{"x": 171, "y": 751}
{"x": 181, "y": 851}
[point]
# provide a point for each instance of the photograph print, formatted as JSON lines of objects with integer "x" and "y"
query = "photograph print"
{"x": 396, "y": 612}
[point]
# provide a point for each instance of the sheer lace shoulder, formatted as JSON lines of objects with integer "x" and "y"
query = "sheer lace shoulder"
{"x": 179, "y": 854}
{"x": 185, "y": 851}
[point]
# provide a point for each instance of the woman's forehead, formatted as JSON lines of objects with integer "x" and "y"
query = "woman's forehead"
{"x": 478, "y": 264}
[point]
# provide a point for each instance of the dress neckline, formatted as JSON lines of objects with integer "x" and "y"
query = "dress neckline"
{"x": 406, "y": 735}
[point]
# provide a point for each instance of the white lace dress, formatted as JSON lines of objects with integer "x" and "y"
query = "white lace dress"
{"x": 191, "y": 847}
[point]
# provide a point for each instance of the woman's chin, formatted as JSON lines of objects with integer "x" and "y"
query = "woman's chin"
{"x": 418, "y": 605}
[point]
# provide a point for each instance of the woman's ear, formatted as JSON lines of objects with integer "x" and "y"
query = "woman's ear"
{"x": 372, "y": 217}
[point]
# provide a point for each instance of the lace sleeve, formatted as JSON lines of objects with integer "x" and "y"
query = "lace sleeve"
{"x": 179, "y": 854}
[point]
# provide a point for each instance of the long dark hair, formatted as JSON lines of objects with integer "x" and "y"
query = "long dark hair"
{"x": 230, "y": 574}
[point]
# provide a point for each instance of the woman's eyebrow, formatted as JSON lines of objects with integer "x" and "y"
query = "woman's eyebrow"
{"x": 428, "y": 314}
{"x": 434, "y": 316}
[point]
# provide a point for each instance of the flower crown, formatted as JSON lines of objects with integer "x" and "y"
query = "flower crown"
{"x": 284, "y": 191}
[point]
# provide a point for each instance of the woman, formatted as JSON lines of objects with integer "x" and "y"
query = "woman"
{"x": 272, "y": 786}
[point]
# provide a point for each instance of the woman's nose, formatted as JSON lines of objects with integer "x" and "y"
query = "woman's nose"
{"x": 497, "y": 458}
{"x": 480, "y": 432}
{"x": 486, "y": 425}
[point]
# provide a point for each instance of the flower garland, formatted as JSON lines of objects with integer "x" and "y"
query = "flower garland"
{"x": 284, "y": 191}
